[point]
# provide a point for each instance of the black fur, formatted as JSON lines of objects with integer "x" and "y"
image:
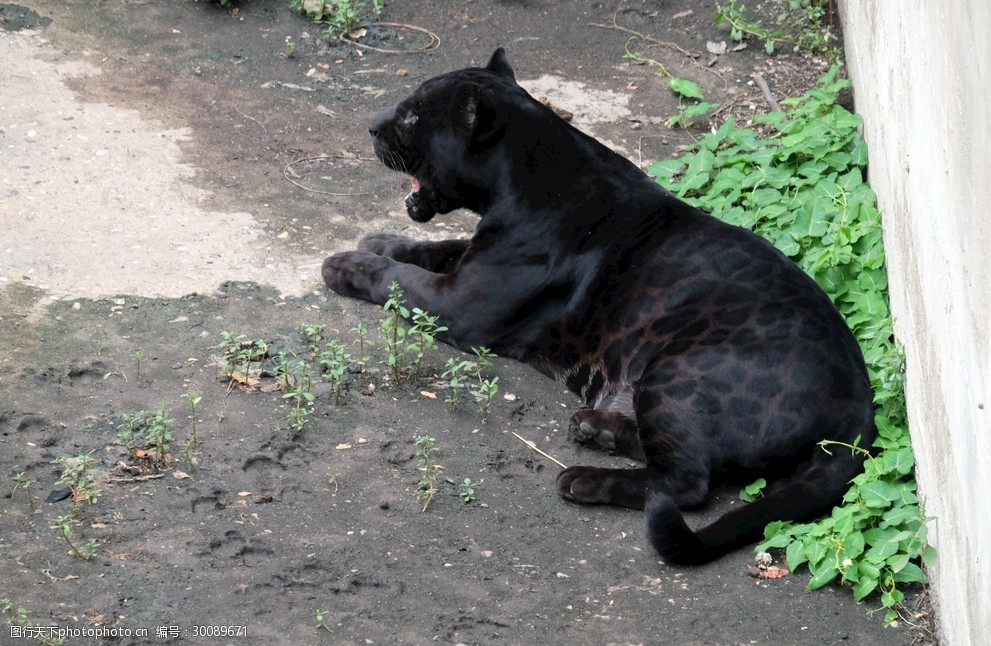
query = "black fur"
{"x": 697, "y": 347}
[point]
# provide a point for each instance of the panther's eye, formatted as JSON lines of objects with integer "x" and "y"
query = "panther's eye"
{"x": 409, "y": 119}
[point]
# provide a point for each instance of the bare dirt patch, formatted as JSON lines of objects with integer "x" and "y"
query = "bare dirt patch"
{"x": 186, "y": 177}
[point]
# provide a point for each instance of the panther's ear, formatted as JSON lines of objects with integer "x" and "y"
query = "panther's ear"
{"x": 499, "y": 63}
{"x": 479, "y": 115}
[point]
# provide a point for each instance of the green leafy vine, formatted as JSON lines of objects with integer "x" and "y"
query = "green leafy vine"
{"x": 803, "y": 188}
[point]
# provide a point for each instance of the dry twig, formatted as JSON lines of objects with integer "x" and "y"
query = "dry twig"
{"x": 762, "y": 84}
{"x": 533, "y": 446}
{"x": 692, "y": 57}
{"x": 434, "y": 40}
{"x": 285, "y": 173}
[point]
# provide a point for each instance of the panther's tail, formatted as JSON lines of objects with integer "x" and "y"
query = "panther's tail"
{"x": 800, "y": 499}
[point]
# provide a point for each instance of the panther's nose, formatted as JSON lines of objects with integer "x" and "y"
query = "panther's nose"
{"x": 380, "y": 120}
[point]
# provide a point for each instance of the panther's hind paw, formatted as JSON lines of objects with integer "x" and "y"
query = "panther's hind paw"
{"x": 583, "y": 430}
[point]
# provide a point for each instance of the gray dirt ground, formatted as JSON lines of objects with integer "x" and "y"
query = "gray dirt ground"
{"x": 168, "y": 173}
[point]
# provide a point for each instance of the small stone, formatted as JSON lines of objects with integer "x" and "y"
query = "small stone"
{"x": 384, "y": 504}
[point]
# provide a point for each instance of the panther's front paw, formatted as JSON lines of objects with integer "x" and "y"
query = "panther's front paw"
{"x": 354, "y": 273}
{"x": 594, "y": 485}
{"x": 383, "y": 244}
{"x": 584, "y": 484}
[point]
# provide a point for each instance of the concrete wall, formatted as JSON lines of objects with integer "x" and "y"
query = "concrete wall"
{"x": 922, "y": 81}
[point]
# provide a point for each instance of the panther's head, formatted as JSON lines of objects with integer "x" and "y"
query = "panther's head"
{"x": 440, "y": 135}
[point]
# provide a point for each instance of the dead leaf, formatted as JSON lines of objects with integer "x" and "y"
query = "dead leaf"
{"x": 402, "y": 72}
{"x": 140, "y": 453}
{"x": 716, "y": 48}
{"x": 324, "y": 110}
{"x": 244, "y": 379}
{"x": 180, "y": 475}
{"x": 244, "y": 494}
{"x": 428, "y": 394}
{"x": 767, "y": 572}
{"x": 93, "y": 617}
{"x": 174, "y": 31}
{"x": 357, "y": 33}
{"x": 341, "y": 447}
{"x": 773, "y": 572}
{"x": 561, "y": 112}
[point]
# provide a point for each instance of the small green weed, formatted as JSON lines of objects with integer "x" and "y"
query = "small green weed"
{"x": 340, "y": 16}
{"x": 239, "y": 353}
{"x": 334, "y": 361}
{"x": 406, "y": 343}
{"x": 159, "y": 436}
{"x": 192, "y": 442}
{"x": 131, "y": 427}
{"x": 455, "y": 372}
{"x": 466, "y": 490}
{"x": 394, "y": 330}
{"x": 63, "y": 527}
{"x": 458, "y": 371}
{"x": 364, "y": 344}
{"x": 487, "y": 388}
{"x": 79, "y": 473}
{"x": 319, "y": 618}
{"x": 753, "y": 491}
{"x": 145, "y": 430}
{"x": 426, "y": 449}
{"x": 684, "y": 89}
{"x": 138, "y": 356}
{"x": 803, "y": 189}
{"x": 23, "y": 483}
{"x": 422, "y": 337}
{"x": 20, "y": 626}
{"x": 803, "y": 25}
{"x": 297, "y": 380}
{"x": 314, "y": 335}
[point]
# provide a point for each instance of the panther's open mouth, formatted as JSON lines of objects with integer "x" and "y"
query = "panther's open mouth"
{"x": 415, "y": 184}
{"x": 419, "y": 203}
{"x": 411, "y": 197}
